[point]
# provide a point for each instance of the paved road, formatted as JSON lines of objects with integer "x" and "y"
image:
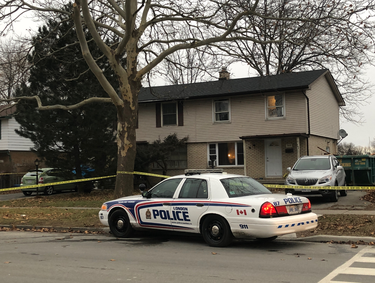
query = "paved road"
{"x": 44, "y": 257}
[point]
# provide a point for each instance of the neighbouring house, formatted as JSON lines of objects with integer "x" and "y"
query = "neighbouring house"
{"x": 255, "y": 126}
{"x": 16, "y": 158}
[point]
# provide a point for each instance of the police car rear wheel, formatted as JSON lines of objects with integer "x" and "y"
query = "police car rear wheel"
{"x": 119, "y": 224}
{"x": 216, "y": 231}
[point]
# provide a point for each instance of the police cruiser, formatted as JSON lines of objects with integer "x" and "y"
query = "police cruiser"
{"x": 219, "y": 206}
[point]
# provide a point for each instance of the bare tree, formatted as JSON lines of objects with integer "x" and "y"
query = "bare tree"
{"x": 339, "y": 36}
{"x": 149, "y": 31}
{"x": 13, "y": 67}
{"x": 192, "y": 65}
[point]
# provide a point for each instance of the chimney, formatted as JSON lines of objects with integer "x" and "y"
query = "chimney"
{"x": 223, "y": 74}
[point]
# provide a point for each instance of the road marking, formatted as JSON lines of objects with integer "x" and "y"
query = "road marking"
{"x": 347, "y": 270}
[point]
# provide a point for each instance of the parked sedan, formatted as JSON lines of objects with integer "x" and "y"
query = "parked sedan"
{"x": 218, "y": 206}
{"x": 319, "y": 171}
{"x": 45, "y": 176}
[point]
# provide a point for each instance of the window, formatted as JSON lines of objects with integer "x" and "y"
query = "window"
{"x": 221, "y": 110}
{"x": 169, "y": 114}
{"x": 165, "y": 189}
{"x": 226, "y": 153}
{"x": 243, "y": 186}
{"x": 169, "y": 111}
{"x": 194, "y": 188}
{"x": 275, "y": 106}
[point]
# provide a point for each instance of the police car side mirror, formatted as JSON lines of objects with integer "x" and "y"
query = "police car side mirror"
{"x": 142, "y": 187}
{"x": 289, "y": 169}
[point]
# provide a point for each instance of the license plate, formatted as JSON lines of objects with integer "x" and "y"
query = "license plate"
{"x": 306, "y": 190}
{"x": 30, "y": 182}
{"x": 293, "y": 209}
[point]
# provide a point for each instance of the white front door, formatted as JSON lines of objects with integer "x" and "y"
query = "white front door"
{"x": 273, "y": 158}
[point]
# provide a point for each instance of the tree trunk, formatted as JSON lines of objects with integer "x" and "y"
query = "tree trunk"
{"x": 126, "y": 145}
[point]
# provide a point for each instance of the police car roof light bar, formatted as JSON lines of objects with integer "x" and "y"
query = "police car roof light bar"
{"x": 189, "y": 172}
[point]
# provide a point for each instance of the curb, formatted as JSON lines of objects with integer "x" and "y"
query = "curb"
{"x": 86, "y": 230}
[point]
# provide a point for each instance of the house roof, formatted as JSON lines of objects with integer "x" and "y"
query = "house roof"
{"x": 253, "y": 85}
{"x": 6, "y": 111}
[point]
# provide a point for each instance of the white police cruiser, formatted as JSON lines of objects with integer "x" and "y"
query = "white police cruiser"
{"x": 219, "y": 206}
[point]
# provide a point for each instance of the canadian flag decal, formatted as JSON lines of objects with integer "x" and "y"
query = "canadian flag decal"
{"x": 241, "y": 212}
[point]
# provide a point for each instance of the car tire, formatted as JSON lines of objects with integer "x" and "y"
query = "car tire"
{"x": 343, "y": 193}
{"x": 216, "y": 231}
{"x": 119, "y": 224}
{"x": 49, "y": 190}
{"x": 334, "y": 196}
{"x": 27, "y": 193}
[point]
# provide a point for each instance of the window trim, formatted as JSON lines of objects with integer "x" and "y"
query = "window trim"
{"x": 282, "y": 107}
{"x": 214, "y": 111}
{"x": 217, "y": 153}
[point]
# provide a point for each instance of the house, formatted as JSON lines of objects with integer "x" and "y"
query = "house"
{"x": 16, "y": 157}
{"x": 254, "y": 126}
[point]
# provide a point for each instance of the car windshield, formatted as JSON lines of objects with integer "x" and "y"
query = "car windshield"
{"x": 313, "y": 164}
{"x": 243, "y": 186}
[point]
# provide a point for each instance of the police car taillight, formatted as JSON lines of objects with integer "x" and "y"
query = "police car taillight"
{"x": 306, "y": 207}
{"x": 267, "y": 210}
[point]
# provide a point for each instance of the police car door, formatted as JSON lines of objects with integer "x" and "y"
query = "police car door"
{"x": 191, "y": 203}
{"x": 156, "y": 212}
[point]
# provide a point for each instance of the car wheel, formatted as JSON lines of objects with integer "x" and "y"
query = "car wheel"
{"x": 216, "y": 231}
{"x": 334, "y": 196}
{"x": 48, "y": 190}
{"x": 27, "y": 193}
{"x": 343, "y": 193}
{"x": 119, "y": 224}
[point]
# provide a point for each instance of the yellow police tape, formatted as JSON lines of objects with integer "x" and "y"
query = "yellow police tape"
{"x": 346, "y": 188}
{"x": 354, "y": 188}
{"x": 142, "y": 173}
{"x": 81, "y": 180}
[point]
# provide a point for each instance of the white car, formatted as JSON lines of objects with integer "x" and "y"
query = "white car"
{"x": 319, "y": 171}
{"x": 216, "y": 205}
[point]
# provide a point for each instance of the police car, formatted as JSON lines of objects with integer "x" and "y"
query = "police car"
{"x": 219, "y": 206}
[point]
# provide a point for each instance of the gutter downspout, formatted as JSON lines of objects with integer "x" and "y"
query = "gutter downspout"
{"x": 308, "y": 121}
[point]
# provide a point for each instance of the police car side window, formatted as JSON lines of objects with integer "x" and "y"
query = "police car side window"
{"x": 194, "y": 188}
{"x": 165, "y": 189}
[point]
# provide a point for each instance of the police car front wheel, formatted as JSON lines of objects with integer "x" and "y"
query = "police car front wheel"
{"x": 216, "y": 231}
{"x": 119, "y": 224}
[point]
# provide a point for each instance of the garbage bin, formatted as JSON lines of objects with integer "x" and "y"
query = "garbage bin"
{"x": 359, "y": 169}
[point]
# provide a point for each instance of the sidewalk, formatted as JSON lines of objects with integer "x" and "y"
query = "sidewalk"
{"x": 321, "y": 212}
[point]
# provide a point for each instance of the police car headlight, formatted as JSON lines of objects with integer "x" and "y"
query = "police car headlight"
{"x": 104, "y": 206}
{"x": 290, "y": 180}
{"x": 325, "y": 179}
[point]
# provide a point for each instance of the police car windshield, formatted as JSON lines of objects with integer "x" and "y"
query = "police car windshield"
{"x": 243, "y": 186}
{"x": 313, "y": 164}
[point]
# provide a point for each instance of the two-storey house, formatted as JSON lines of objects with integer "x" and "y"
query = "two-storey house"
{"x": 255, "y": 126}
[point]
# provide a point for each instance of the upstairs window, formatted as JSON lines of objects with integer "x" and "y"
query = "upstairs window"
{"x": 169, "y": 111}
{"x": 169, "y": 114}
{"x": 275, "y": 106}
{"x": 221, "y": 110}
